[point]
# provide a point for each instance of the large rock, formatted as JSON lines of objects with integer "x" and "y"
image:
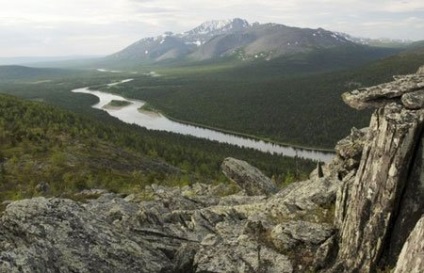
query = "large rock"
{"x": 249, "y": 178}
{"x": 58, "y": 235}
{"x": 410, "y": 206}
{"x": 243, "y": 254}
{"x": 411, "y": 259}
{"x": 380, "y": 180}
{"x": 413, "y": 100}
{"x": 380, "y": 202}
{"x": 287, "y": 235}
{"x": 382, "y": 94}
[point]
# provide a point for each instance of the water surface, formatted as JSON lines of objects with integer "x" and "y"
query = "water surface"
{"x": 155, "y": 121}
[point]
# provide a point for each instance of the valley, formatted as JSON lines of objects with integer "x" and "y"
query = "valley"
{"x": 227, "y": 147}
{"x": 129, "y": 112}
{"x": 285, "y": 103}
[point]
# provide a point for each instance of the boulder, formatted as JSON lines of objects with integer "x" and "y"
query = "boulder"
{"x": 247, "y": 177}
{"x": 413, "y": 100}
{"x": 240, "y": 255}
{"x": 59, "y": 235}
{"x": 351, "y": 146}
{"x": 287, "y": 235}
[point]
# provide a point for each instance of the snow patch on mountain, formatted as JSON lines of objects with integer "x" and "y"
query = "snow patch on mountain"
{"x": 214, "y": 26}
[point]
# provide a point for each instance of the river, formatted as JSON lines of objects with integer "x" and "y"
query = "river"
{"x": 155, "y": 121}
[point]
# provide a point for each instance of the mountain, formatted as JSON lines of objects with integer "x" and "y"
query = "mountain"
{"x": 174, "y": 46}
{"x": 267, "y": 42}
{"x": 382, "y": 42}
{"x": 235, "y": 39}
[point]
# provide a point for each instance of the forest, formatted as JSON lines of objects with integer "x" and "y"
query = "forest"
{"x": 271, "y": 101}
{"x": 41, "y": 144}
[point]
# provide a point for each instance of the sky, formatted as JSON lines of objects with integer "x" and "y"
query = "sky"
{"x": 99, "y": 27}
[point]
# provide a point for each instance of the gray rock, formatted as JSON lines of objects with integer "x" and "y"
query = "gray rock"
{"x": 325, "y": 253}
{"x": 411, "y": 259}
{"x": 184, "y": 258}
{"x": 286, "y": 236}
{"x": 413, "y": 100}
{"x": 410, "y": 208}
{"x": 309, "y": 194}
{"x": 58, "y": 235}
{"x": 233, "y": 200}
{"x": 241, "y": 255}
{"x": 351, "y": 146}
{"x": 371, "y": 199}
{"x": 167, "y": 229}
{"x": 382, "y": 94}
{"x": 249, "y": 178}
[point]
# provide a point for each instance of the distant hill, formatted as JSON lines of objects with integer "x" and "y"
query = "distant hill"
{"x": 382, "y": 42}
{"x": 11, "y": 72}
{"x": 238, "y": 41}
{"x": 40, "y": 60}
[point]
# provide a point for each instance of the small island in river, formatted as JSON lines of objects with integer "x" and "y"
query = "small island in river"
{"x": 117, "y": 104}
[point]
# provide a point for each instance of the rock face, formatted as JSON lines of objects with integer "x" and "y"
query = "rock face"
{"x": 362, "y": 212}
{"x": 379, "y": 206}
{"x": 378, "y": 184}
{"x": 247, "y": 177}
{"x": 411, "y": 259}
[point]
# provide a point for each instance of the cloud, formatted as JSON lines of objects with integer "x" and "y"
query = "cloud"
{"x": 51, "y": 26}
{"x": 404, "y": 6}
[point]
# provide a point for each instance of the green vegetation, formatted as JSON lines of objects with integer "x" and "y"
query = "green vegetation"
{"x": 13, "y": 72}
{"x": 292, "y": 100}
{"x": 147, "y": 107}
{"x": 42, "y": 145}
{"x": 118, "y": 103}
{"x": 271, "y": 100}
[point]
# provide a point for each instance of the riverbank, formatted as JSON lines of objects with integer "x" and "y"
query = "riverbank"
{"x": 149, "y": 108}
{"x": 131, "y": 114}
{"x": 268, "y": 140}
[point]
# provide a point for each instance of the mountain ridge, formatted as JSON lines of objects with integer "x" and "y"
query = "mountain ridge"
{"x": 235, "y": 38}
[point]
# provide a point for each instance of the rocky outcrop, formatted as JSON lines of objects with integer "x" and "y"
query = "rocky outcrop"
{"x": 189, "y": 229}
{"x": 380, "y": 180}
{"x": 379, "y": 205}
{"x": 59, "y": 235}
{"x": 380, "y": 95}
{"x": 250, "y": 179}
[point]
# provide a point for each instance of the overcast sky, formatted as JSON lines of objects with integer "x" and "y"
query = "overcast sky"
{"x": 98, "y": 27}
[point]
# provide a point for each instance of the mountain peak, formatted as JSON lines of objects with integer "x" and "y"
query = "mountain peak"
{"x": 215, "y": 26}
